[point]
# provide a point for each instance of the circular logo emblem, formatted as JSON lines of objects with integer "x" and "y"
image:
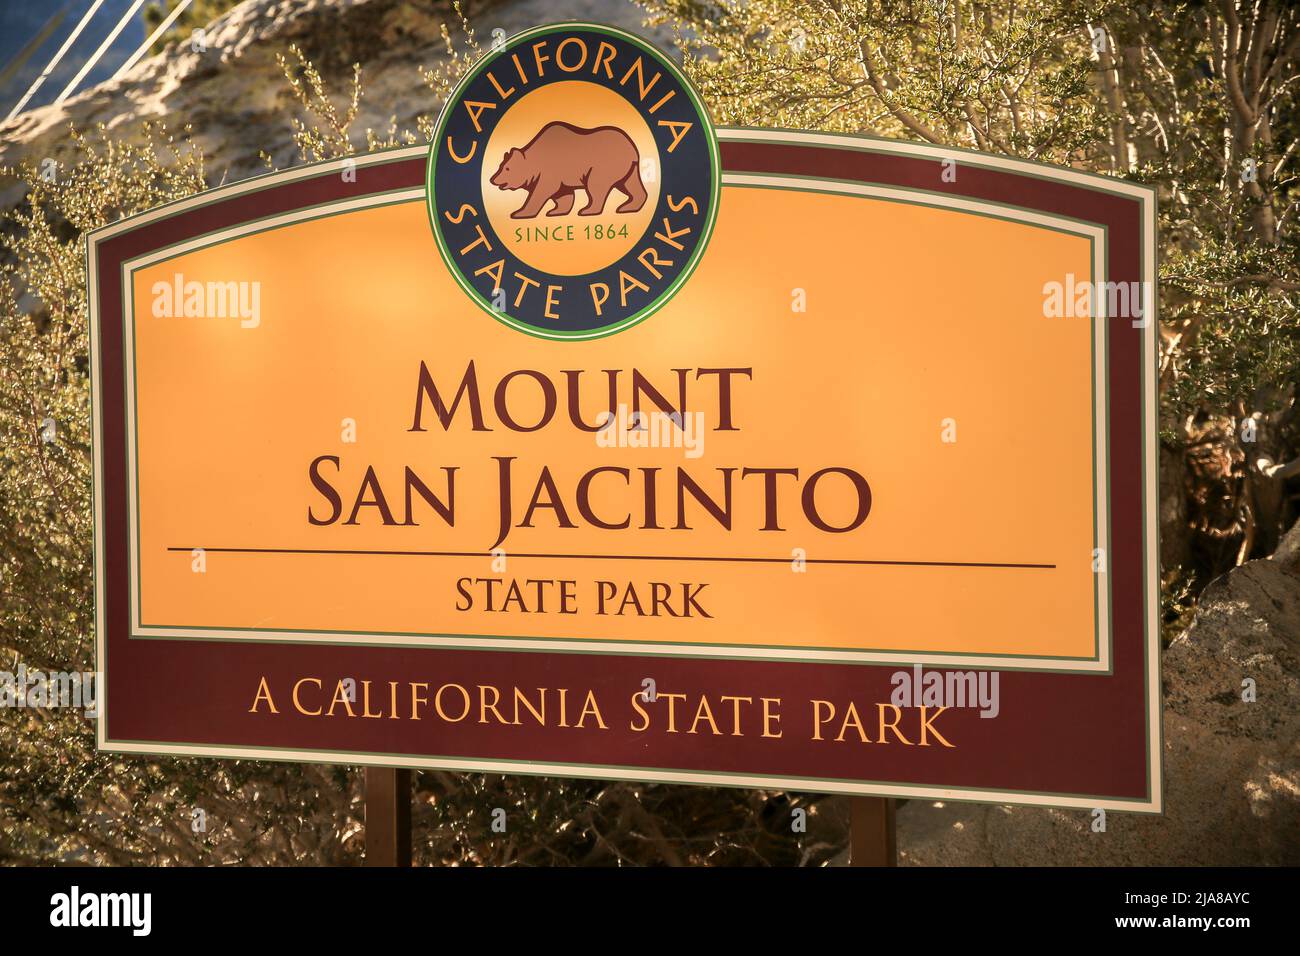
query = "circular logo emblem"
{"x": 573, "y": 181}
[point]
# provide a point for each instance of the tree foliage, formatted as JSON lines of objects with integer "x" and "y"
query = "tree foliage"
{"x": 1195, "y": 97}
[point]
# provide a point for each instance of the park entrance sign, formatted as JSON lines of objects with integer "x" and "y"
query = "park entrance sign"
{"x": 591, "y": 441}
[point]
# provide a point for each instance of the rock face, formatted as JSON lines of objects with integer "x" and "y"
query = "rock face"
{"x": 235, "y": 98}
{"x": 1232, "y": 768}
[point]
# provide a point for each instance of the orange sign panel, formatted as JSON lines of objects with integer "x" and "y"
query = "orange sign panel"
{"x": 855, "y": 452}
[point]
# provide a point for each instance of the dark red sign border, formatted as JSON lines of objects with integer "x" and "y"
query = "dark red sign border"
{"x": 1062, "y": 738}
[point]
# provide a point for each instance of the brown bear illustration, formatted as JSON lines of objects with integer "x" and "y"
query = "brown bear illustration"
{"x": 563, "y": 158}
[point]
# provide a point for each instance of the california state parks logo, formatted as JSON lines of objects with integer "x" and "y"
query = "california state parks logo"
{"x": 573, "y": 181}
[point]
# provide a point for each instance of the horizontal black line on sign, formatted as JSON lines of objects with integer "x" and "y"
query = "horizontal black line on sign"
{"x": 628, "y": 557}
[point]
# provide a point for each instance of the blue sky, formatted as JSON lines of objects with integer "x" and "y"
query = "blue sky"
{"x": 22, "y": 21}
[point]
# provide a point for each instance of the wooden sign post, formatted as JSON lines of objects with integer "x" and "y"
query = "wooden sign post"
{"x": 873, "y": 839}
{"x": 388, "y": 816}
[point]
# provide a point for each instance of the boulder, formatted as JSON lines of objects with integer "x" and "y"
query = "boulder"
{"x": 1232, "y": 766}
{"x": 234, "y": 95}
